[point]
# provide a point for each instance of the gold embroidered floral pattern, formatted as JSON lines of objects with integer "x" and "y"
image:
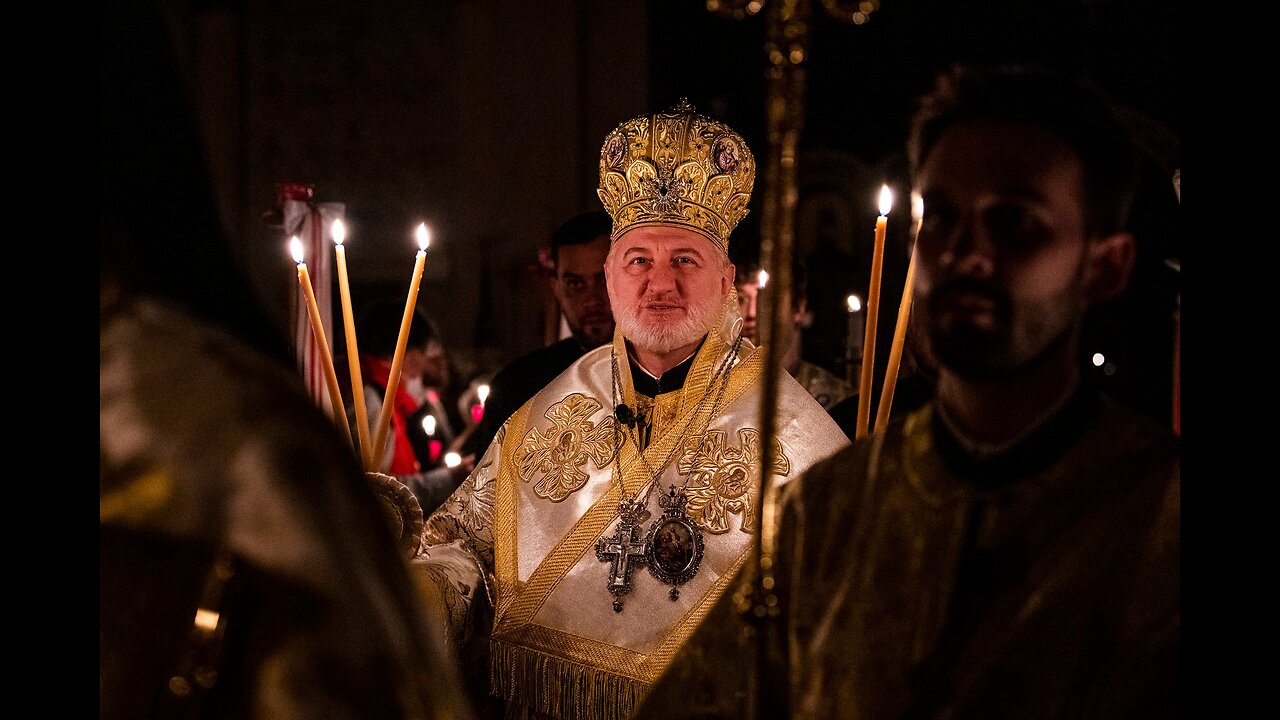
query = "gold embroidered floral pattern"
{"x": 723, "y": 479}
{"x": 571, "y": 440}
{"x": 467, "y": 514}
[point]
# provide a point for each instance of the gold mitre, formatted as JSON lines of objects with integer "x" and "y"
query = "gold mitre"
{"x": 676, "y": 168}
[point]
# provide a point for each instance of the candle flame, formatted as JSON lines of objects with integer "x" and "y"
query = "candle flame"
{"x": 854, "y": 303}
{"x": 886, "y": 199}
{"x": 917, "y": 207}
{"x": 452, "y": 459}
{"x": 482, "y": 392}
{"x": 424, "y": 236}
{"x": 1098, "y": 359}
{"x": 295, "y": 248}
{"x": 339, "y": 231}
{"x": 762, "y": 278}
{"x": 429, "y": 424}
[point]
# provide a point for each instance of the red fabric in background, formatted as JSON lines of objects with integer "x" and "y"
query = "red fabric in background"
{"x": 403, "y": 459}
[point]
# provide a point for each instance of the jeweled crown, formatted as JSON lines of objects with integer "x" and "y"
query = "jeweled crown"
{"x": 676, "y": 168}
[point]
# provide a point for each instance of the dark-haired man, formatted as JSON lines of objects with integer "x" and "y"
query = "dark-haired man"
{"x": 1011, "y": 549}
{"x": 578, "y": 249}
{"x": 825, "y": 386}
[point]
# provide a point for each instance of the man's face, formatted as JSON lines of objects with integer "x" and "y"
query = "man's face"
{"x": 749, "y": 307}
{"x": 435, "y": 365}
{"x": 580, "y": 288}
{"x": 666, "y": 285}
{"x": 748, "y": 294}
{"x": 1002, "y": 248}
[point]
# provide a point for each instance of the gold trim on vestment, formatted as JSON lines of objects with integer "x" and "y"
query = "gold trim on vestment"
{"x": 519, "y": 602}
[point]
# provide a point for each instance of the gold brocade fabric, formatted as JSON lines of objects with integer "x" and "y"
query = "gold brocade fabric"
{"x": 1042, "y": 584}
{"x": 209, "y": 448}
{"x": 531, "y": 514}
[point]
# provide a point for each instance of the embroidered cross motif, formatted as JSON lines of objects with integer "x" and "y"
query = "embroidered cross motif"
{"x": 560, "y": 454}
{"x": 723, "y": 479}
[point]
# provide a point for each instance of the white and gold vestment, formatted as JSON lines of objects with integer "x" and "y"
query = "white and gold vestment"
{"x": 527, "y": 522}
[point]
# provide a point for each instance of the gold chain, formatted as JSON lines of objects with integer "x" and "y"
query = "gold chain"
{"x": 727, "y": 363}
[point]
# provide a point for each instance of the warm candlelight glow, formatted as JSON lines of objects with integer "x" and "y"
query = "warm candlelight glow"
{"x": 206, "y": 620}
{"x": 322, "y": 341}
{"x": 1098, "y": 359}
{"x": 482, "y": 392}
{"x": 762, "y": 279}
{"x": 339, "y": 232}
{"x": 429, "y": 424}
{"x": 904, "y": 316}
{"x": 452, "y": 459}
{"x": 856, "y": 329}
{"x": 862, "y": 422}
{"x": 383, "y": 426}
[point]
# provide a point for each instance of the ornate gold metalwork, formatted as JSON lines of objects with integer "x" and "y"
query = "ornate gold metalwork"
{"x": 676, "y": 168}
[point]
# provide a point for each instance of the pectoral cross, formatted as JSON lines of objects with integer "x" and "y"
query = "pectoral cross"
{"x": 625, "y": 547}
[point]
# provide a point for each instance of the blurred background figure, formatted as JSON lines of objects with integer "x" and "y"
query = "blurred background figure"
{"x": 424, "y": 425}
{"x": 246, "y": 567}
{"x": 578, "y": 250}
{"x": 825, "y": 386}
{"x": 917, "y": 373}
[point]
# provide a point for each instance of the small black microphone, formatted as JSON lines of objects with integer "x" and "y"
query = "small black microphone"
{"x": 624, "y": 415}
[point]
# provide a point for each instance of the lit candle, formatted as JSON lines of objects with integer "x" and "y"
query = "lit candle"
{"x": 856, "y": 321}
{"x": 477, "y": 411}
{"x": 313, "y": 311}
{"x": 900, "y": 330}
{"x": 397, "y": 360}
{"x": 895, "y": 352}
{"x": 873, "y": 307}
{"x": 353, "y": 352}
{"x": 762, "y": 317}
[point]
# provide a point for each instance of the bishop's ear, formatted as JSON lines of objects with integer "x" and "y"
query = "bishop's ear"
{"x": 1110, "y": 263}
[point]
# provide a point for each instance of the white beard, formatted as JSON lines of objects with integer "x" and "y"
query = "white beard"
{"x": 663, "y": 337}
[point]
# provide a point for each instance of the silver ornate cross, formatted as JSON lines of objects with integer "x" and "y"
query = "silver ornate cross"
{"x": 626, "y": 546}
